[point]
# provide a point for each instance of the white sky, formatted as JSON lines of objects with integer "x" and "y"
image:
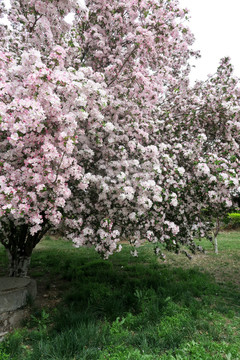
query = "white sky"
{"x": 216, "y": 26}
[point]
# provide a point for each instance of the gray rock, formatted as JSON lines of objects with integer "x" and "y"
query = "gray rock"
{"x": 14, "y": 293}
{"x": 2, "y": 335}
{"x": 16, "y": 318}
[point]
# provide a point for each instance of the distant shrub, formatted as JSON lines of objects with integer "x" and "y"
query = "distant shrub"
{"x": 235, "y": 216}
{"x": 232, "y": 221}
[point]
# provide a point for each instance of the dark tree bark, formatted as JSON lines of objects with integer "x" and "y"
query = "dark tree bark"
{"x": 19, "y": 244}
{"x": 215, "y": 234}
{"x": 18, "y": 265}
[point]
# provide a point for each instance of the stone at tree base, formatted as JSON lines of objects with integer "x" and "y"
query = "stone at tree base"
{"x": 2, "y": 335}
{"x": 11, "y": 320}
{"x": 14, "y": 294}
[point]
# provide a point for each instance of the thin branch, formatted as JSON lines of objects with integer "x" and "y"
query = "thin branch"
{"x": 119, "y": 71}
{"x": 58, "y": 169}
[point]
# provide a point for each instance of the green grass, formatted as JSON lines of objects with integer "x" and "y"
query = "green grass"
{"x": 132, "y": 308}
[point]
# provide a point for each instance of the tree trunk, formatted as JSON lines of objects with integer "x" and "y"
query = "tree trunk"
{"x": 19, "y": 244}
{"x": 215, "y": 234}
{"x": 18, "y": 265}
{"x": 215, "y": 244}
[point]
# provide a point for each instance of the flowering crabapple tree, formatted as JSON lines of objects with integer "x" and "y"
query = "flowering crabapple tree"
{"x": 187, "y": 139}
{"x": 44, "y": 110}
{"x": 212, "y": 117}
{"x": 101, "y": 134}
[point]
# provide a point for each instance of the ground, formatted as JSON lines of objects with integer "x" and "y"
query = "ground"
{"x": 130, "y": 308}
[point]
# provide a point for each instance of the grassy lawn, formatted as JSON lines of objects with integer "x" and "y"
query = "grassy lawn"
{"x": 130, "y": 308}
